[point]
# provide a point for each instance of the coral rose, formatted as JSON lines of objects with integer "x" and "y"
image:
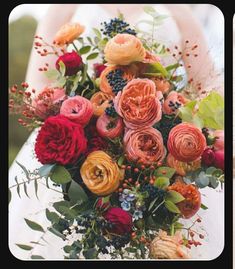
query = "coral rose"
{"x": 48, "y": 101}
{"x": 128, "y": 74}
{"x": 183, "y": 167}
{"x": 186, "y": 142}
{"x": 100, "y": 173}
{"x": 192, "y": 202}
{"x": 138, "y": 104}
{"x": 144, "y": 146}
{"x": 77, "y": 109}
{"x": 109, "y": 127}
{"x": 100, "y": 101}
{"x": 60, "y": 141}
{"x": 120, "y": 219}
{"x": 166, "y": 246}
{"x": 68, "y": 33}
{"x": 161, "y": 84}
{"x": 72, "y": 61}
{"x": 173, "y": 102}
{"x": 124, "y": 49}
{"x": 219, "y": 139}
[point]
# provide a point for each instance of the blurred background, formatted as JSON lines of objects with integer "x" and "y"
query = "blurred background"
{"x": 22, "y": 26}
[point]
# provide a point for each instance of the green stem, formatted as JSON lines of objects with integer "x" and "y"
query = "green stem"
{"x": 75, "y": 47}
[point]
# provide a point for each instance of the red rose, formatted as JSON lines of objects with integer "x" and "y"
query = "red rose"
{"x": 60, "y": 141}
{"x": 72, "y": 61}
{"x": 98, "y": 68}
{"x": 208, "y": 157}
{"x": 219, "y": 159}
{"x": 121, "y": 220}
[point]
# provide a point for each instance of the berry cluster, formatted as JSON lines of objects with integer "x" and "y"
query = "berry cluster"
{"x": 120, "y": 241}
{"x": 174, "y": 106}
{"x": 166, "y": 124}
{"x": 110, "y": 111}
{"x": 116, "y": 81}
{"x": 153, "y": 191}
{"x": 116, "y": 26}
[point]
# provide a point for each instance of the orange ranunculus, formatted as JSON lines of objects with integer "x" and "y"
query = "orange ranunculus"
{"x": 100, "y": 101}
{"x": 192, "y": 202}
{"x": 173, "y": 101}
{"x": 129, "y": 72}
{"x": 183, "y": 167}
{"x": 186, "y": 142}
{"x": 161, "y": 84}
{"x": 100, "y": 173}
{"x": 144, "y": 146}
{"x": 67, "y": 33}
{"x": 124, "y": 49}
{"x": 138, "y": 104}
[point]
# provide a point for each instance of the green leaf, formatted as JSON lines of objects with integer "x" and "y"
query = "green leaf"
{"x": 84, "y": 50}
{"x": 18, "y": 186}
{"x": 102, "y": 43}
{"x": 52, "y": 74}
{"x": 214, "y": 182}
{"x": 60, "y": 175}
{"x": 90, "y": 253}
{"x": 67, "y": 249}
{"x": 174, "y": 196}
{"x": 57, "y": 233}
{"x": 34, "y": 226}
{"x": 164, "y": 171}
{"x": 24, "y": 247}
{"x": 152, "y": 203}
{"x": 52, "y": 216}
{"x": 150, "y": 10}
{"x": 157, "y": 68}
{"x": 25, "y": 189}
{"x": 130, "y": 249}
{"x": 162, "y": 182}
{"x": 9, "y": 196}
{"x": 172, "y": 207}
{"x": 36, "y": 187}
{"x": 120, "y": 161}
{"x": 105, "y": 199}
{"x": 58, "y": 205}
{"x": 62, "y": 68}
{"x": 24, "y": 169}
{"x": 37, "y": 257}
{"x": 92, "y": 56}
{"x": 45, "y": 170}
{"x": 90, "y": 41}
{"x": 97, "y": 32}
{"x": 60, "y": 82}
{"x": 204, "y": 207}
{"x": 76, "y": 193}
{"x": 172, "y": 66}
{"x": 158, "y": 74}
{"x": 202, "y": 180}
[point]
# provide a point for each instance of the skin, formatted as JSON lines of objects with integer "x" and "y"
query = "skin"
{"x": 202, "y": 69}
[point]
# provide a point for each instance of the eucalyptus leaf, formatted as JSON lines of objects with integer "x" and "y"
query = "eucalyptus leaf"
{"x": 46, "y": 169}
{"x": 57, "y": 233}
{"x": 37, "y": 257}
{"x": 24, "y": 247}
{"x": 203, "y": 207}
{"x": 52, "y": 216}
{"x": 25, "y": 189}
{"x": 9, "y": 196}
{"x": 24, "y": 169}
{"x": 90, "y": 253}
{"x": 97, "y": 32}
{"x": 202, "y": 180}
{"x": 34, "y": 226}
{"x": 210, "y": 170}
{"x": 214, "y": 182}
{"x": 76, "y": 193}
{"x": 60, "y": 175}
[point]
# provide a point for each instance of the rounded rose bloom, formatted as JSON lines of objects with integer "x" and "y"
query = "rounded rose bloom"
{"x": 166, "y": 246}
{"x": 186, "y": 142}
{"x": 219, "y": 142}
{"x": 144, "y": 146}
{"x": 183, "y": 167}
{"x": 98, "y": 68}
{"x": 192, "y": 202}
{"x": 60, "y": 141}
{"x": 68, "y": 33}
{"x": 161, "y": 84}
{"x": 208, "y": 157}
{"x": 48, "y": 101}
{"x": 100, "y": 173}
{"x": 124, "y": 49}
{"x": 219, "y": 159}
{"x": 109, "y": 127}
{"x": 72, "y": 61}
{"x": 121, "y": 220}
{"x": 100, "y": 101}
{"x": 173, "y": 101}
{"x": 77, "y": 109}
{"x": 138, "y": 104}
{"x": 128, "y": 73}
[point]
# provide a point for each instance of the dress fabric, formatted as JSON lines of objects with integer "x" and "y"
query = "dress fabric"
{"x": 34, "y": 209}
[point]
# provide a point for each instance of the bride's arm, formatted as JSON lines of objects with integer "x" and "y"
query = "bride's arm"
{"x": 57, "y": 15}
{"x": 202, "y": 67}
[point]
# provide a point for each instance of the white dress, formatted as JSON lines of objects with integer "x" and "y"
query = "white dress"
{"x": 34, "y": 209}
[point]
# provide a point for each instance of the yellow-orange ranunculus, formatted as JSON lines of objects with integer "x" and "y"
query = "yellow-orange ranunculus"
{"x": 183, "y": 167}
{"x": 124, "y": 49}
{"x": 100, "y": 173}
{"x": 100, "y": 101}
{"x": 68, "y": 33}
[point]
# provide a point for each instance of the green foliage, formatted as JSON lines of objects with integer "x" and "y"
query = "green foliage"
{"x": 52, "y": 216}
{"x": 34, "y": 226}
{"x": 164, "y": 171}
{"x": 37, "y": 257}
{"x": 76, "y": 193}
{"x": 92, "y": 56}
{"x": 24, "y": 247}
{"x": 84, "y": 50}
{"x": 60, "y": 175}
{"x": 174, "y": 196}
{"x": 172, "y": 207}
{"x": 162, "y": 182}
{"x": 156, "y": 68}
{"x": 46, "y": 169}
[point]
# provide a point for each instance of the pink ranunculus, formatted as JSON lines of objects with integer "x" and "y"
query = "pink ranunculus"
{"x": 138, "y": 104}
{"x": 109, "y": 127}
{"x": 219, "y": 159}
{"x": 77, "y": 109}
{"x": 144, "y": 146}
{"x": 219, "y": 142}
{"x": 173, "y": 101}
{"x": 47, "y": 102}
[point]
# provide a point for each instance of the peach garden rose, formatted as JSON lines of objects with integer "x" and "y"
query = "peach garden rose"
{"x": 124, "y": 49}
{"x": 100, "y": 101}
{"x": 138, "y": 104}
{"x": 186, "y": 142}
{"x": 144, "y": 146}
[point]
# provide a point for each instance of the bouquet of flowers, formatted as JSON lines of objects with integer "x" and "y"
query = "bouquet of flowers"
{"x": 127, "y": 144}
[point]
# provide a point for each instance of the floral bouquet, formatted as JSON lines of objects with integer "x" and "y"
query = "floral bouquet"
{"x": 126, "y": 139}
